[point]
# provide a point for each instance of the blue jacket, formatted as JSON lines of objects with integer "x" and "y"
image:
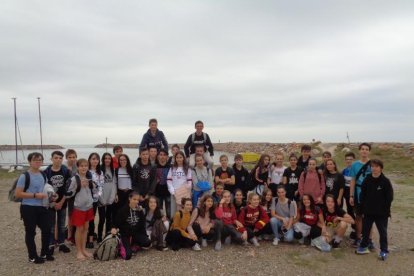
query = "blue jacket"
{"x": 158, "y": 140}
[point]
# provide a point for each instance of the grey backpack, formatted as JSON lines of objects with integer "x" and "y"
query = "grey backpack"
{"x": 108, "y": 248}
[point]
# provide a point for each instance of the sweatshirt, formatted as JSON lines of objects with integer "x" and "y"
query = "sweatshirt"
{"x": 158, "y": 140}
{"x": 177, "y": 178}
{"x": 255, "y": 218}
{"x": 202, "y": 221}
{"x": 144, "y": 178}
{"x": 109, "y": 188}
{"x": 85, "y": 197}
{"x": 226, "y": 214}
{"x": 312, "y": 185}
{"x": 181, "y": 223}
{"x": 189, "y": 147}
{"x": 203, "y": 174}
{"x": 130, "y": 221}
{"x": 376, "y": 196}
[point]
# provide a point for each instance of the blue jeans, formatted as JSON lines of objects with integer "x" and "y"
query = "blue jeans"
{"x": 61, "y": 220}
{"x": 276, "y": 226}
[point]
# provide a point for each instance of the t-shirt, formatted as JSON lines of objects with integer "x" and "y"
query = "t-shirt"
{"x": 292, "y": 181}
{"x": 311, "y": 218}
{"x": 276, "y": 174}
{"x": 330, "y": 217}
{"x": 347, "y": 176}
{"x": 224, "y": 174}
{"x": 334, "y": 183}
{"x": 303, "y": 164}
{"x": 356, "y": 166}
{"x": 58, "y": 181}
{"x": 37, "y": 183}
{"x": 283, "y": 209}
{"x": 124, "y": 179}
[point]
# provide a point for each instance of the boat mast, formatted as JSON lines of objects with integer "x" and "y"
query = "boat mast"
{"x": 40, "y": 123}
{"x": 15, "y": 127}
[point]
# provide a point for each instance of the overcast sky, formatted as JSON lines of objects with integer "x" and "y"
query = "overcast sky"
{"x": 265, "y": 71}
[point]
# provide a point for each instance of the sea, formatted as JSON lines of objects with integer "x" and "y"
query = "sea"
{"x": 8, "y": 157}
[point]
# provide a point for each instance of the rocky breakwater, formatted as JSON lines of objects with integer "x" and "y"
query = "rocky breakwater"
{"x": 29, "y": 147}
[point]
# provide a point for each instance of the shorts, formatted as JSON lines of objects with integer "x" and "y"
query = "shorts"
{"x": 79, "y": 218}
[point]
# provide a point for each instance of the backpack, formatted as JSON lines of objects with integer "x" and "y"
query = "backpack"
{"x": 204, "y": 186}
{"x": 193, "y": 137}
{"x": 12, "y": 190}
{"x": 108, "y": 249}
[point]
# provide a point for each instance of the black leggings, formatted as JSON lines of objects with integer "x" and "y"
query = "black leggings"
{"x": 177, "y": 241}
{"x": 230, "y": 230}
{"x": 91, "y": 229}
{"x": 266, "y": 230}
{"x": 214, "y": 234}
{"x": 315, "y": 231}
{"x": 140, "y": 239}
{"x": 105, "y": 218}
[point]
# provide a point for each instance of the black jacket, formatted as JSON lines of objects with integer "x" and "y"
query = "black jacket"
{"x": 376, "y": 196}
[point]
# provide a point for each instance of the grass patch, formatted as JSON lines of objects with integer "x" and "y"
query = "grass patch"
{"x": 298, "y": 260}
{"x": 4, "y": 174}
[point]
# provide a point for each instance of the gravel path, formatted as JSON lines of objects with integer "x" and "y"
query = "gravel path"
{"x": 232, "y": 260}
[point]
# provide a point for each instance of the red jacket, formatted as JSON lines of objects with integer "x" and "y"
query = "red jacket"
{"x": 253, "y": 217}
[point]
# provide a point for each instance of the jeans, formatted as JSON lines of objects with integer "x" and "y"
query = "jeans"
{"x": 59, "y": 217}
{"x": 36, "y": 216}
{"x": 276, "y": 226}
{"x": 382, "y": 223}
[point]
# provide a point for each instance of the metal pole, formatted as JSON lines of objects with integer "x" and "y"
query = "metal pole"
{"x": 15, "y": 127}
{"x": 106, "y": 144}
{"x": 40, "y": 122}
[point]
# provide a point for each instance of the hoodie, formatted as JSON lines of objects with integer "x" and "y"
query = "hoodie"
{"x": 158, "y": 140}
{"x": 144, "y": 179}
{"x": 85, "y": 197}
{"x": 376, "y": 196}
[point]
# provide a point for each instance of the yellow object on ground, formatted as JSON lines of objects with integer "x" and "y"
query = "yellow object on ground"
{"x": 250, "y": 157}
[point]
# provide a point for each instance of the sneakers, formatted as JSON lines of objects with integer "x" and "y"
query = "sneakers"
{"x": 89, "y": 245}
{"x": 63, "y": 248}
{"x": 254, "y": 241}
{"x": 36, "y": 260}
{"x": 362, "y": 251}
{"x": 383, "y": 255}
{"x": 162, "y": 248}
{"x": 245, "y": 243}
{"x": 196, "y": 247}
{"x": 227, "y": 241}
{"x": 275, "y": 241}
{"x": 217, "y": 247}
{"x": 335, "y": 244}
{"x": 203, "y": 242}
{"x": 302, "y": 240}
{"x": 47, "y": 258}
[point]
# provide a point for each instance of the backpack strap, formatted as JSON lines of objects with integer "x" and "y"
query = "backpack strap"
{"x": 26, "y": 181}
{"x": 192, "y": 138}
{"x": 277, "y": 200}
{"x": 361, "y": 171}
{"x": 78, "y": 185}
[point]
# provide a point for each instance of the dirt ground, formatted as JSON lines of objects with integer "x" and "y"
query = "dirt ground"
{"x": 232, "y": 260}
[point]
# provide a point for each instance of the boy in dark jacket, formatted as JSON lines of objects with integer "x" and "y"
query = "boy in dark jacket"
{"x": 241, "y": 175}
{"x": 144, "y": 175}
{"x": 375, "y": 199}
{"x": 154, "y": 137}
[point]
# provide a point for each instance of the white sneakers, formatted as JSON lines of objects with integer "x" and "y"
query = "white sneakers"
{"x": 275, "y": 241}
{"x": 196, "y": 247}
{"x": 204, "y": 243}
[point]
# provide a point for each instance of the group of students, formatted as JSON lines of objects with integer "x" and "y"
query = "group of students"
{"x": 163, "y": 201}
